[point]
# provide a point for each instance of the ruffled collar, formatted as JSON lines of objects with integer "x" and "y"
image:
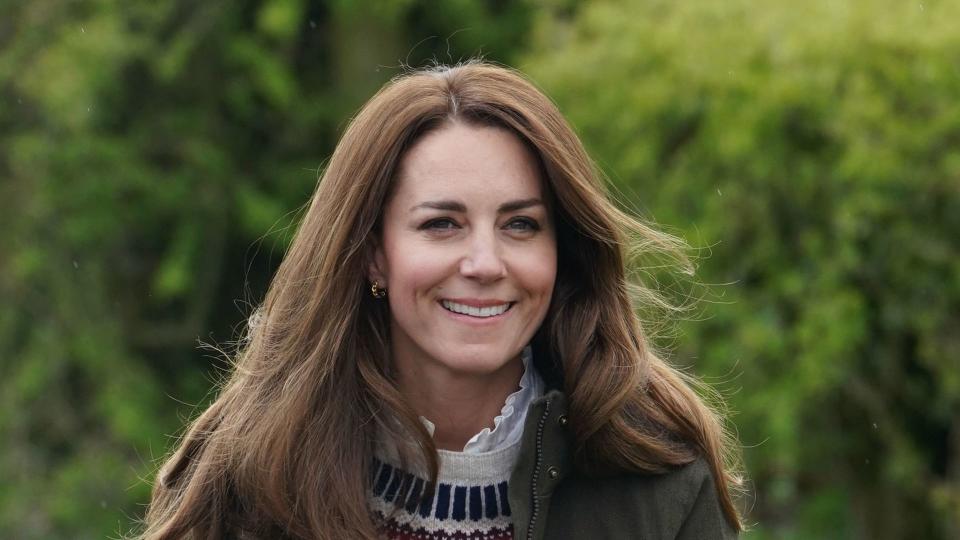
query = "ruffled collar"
{"x": 508, "y": 425}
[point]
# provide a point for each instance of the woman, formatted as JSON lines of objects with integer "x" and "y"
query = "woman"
{"x": 449, "y": 349}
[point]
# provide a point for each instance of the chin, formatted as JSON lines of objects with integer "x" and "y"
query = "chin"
{"x": 479, "y": 362}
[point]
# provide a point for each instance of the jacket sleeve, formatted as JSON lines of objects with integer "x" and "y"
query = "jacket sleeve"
{"x": 705, "y": 520}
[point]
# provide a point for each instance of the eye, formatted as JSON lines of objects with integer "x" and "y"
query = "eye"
{"x": 523, "y": 224}
{"x": 439, "y": 224}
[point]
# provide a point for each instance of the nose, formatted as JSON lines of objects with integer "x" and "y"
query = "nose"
{"x": 483, "y": 261}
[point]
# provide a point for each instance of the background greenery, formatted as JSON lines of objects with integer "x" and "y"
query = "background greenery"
{"x": 154, "y": 157}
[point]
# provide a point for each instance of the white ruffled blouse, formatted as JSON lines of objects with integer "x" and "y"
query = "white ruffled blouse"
{"x": 508, "y": 425}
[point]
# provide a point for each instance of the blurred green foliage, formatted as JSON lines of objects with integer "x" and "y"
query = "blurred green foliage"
{"x": 812, "y": 151}
{"x": 155, "y": 156}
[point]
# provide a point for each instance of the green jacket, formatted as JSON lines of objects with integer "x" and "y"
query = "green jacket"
{"x": 550, "y": 500}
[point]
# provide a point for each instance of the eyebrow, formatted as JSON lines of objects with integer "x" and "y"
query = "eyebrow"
{"x": 456, "y": 206}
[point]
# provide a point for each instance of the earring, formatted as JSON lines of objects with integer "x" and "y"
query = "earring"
{"x": 377, "y": 291}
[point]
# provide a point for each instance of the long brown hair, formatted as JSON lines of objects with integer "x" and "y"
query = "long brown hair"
{"x": 285, "y": 449}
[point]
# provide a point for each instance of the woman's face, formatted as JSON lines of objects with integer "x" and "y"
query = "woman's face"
{"x": 468, "y": 252}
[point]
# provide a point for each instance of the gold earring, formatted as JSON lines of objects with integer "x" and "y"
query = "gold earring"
{"x": 376, "y": 290}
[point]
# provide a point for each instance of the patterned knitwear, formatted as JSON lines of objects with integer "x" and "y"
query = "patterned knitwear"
{"x": 469, "y": 502}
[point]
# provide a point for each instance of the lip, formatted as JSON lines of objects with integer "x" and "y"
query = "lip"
{"x": 479, "y": 303}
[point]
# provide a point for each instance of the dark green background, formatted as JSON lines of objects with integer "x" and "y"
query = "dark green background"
{"x": 155, "y": 156}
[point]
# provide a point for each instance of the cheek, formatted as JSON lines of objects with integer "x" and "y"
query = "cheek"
{"x": 536, "y": 269}
{"x": 415, "y": 271}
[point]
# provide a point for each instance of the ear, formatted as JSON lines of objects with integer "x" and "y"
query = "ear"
{"x": 377, "y": 263}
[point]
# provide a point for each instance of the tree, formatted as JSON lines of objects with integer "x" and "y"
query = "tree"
{"x": 810, "y": 151}
{"x": 153, "y": 157}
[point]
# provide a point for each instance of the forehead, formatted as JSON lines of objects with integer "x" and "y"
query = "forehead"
{"x": 468, "y": 162}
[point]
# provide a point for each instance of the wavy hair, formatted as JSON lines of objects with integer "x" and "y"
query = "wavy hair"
{"x": 286, "y": 448}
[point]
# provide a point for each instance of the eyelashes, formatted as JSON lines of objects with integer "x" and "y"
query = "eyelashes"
{"x": 527, "y": 224}
{"x": 521, "y": 223}
{"x": 439, "y": 224}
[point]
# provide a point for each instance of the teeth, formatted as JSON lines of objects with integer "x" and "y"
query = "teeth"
{"x": 464, "y": 309}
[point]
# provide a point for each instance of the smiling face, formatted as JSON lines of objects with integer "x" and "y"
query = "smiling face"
{"x": 467, "y": 252}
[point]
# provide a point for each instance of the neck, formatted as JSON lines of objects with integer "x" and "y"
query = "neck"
{"x": 459, "y": 405}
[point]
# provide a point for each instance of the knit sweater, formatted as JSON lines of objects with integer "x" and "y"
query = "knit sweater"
{"x": 470, "y": 501}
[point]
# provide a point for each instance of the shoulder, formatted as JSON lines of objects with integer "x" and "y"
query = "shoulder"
{"x": 681, "y": 486}
{"x": 681, "y": 503}
{"x": 675, "y": 490}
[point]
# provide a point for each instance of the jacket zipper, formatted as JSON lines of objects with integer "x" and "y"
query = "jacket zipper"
{"x": 536, "y": 471}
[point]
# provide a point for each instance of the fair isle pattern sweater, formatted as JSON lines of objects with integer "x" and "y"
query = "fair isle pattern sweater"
{"x": 469, "y": 503}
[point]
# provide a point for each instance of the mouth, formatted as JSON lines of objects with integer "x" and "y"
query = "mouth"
{"x": 481, "y": 312}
